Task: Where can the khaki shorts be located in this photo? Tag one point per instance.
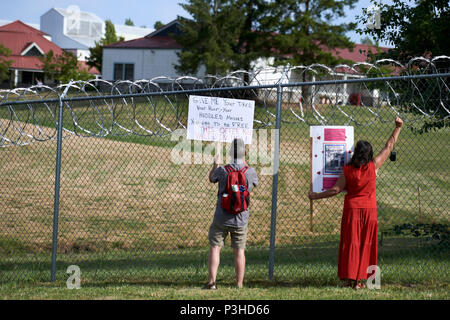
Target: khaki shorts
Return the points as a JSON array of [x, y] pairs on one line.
[[218, 234]]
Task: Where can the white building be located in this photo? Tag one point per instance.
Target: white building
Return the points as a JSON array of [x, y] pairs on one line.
[[76, 31], [145, 58]]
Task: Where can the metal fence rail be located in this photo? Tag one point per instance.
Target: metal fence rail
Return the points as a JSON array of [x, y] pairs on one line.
[[123, 207]]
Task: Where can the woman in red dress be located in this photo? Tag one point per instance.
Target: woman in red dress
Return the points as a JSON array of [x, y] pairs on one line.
[[359, 232]]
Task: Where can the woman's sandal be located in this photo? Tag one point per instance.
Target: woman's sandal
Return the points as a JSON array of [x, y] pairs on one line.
[[349, 283], [359, 285]]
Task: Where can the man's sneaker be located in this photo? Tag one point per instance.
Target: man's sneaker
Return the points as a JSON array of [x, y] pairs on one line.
[[210, 286]]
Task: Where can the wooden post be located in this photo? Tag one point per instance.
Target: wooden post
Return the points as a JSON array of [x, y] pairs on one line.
[[311, 208]]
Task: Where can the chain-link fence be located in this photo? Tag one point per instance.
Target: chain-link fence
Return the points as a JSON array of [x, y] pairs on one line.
[[126, 209]]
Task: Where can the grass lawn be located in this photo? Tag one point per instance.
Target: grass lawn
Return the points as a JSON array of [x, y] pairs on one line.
[[180, 274], [136, 222], [252, 291]]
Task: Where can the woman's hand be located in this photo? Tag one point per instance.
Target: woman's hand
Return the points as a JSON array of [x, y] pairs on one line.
[[398, 122], [312, 195], [216, 161]]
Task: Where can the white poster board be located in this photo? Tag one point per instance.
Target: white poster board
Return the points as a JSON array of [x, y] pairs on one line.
[[332, 147], [220, 119]]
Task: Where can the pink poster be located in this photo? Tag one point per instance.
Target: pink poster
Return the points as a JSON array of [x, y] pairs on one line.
[[332, 148], [334, 134]]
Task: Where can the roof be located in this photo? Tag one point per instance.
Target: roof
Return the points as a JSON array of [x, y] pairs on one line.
[[19, 26], [85, 41], [158, 39], [75, 10], [171, 27], [34, 25], [19, 37], [84, 66], [131, 32], [359, 53], [155, 42]]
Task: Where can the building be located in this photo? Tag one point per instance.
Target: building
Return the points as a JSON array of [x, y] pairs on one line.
[[27, 46], [324, 94], [77, 31], [144, 58]]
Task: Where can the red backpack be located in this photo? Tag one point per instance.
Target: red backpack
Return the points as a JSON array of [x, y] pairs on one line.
[[236, 197]]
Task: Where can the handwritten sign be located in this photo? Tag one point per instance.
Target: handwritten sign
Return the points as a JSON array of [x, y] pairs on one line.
[[220, 119], [332, 148]]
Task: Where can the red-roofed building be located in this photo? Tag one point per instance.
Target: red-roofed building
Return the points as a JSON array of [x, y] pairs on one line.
[[27, 46]]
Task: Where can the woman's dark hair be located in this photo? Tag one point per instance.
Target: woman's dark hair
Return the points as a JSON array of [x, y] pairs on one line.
[[362, 155]]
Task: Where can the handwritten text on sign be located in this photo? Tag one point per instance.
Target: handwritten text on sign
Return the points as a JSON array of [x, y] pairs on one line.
[[220, 119]]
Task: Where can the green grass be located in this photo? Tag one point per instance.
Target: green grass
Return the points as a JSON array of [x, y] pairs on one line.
[[255, 291], [180, 274], [136, 223]]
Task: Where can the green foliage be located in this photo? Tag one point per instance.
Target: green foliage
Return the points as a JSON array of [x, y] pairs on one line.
[[129, 22], [110, 33], [4, 62], [208, 39], [64, 67], [423, 96], [158, 24], [428, 231], [96, 53], [417, 29], [304, 28], [233, 34]]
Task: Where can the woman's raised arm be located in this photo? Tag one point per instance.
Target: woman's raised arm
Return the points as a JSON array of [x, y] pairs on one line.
[[384, 153]]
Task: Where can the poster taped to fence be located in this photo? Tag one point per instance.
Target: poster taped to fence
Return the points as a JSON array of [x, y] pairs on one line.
[[220, 119], [332, 148]]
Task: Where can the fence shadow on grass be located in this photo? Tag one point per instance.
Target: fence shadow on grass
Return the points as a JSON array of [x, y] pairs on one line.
[[314, 266]]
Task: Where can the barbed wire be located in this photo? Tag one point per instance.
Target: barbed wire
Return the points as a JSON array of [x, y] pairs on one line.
[[130, 112]]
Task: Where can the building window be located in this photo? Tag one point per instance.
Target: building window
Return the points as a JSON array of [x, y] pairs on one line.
[[33, 52], [123, 71]]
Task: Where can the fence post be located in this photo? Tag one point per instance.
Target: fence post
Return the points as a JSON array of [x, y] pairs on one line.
[[276, 163], [57, 187]]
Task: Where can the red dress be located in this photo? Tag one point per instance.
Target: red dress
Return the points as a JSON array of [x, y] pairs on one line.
[[359, 230]]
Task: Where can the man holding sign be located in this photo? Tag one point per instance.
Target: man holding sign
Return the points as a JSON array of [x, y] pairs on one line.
[[228, 218], [226, 120]]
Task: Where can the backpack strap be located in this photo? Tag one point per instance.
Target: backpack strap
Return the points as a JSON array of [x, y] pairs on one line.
[[228, 168], [244, 169]]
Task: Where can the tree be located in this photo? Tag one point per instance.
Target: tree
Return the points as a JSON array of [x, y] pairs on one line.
[[367, 40], [158, 24], [5, 64], [64, 67], [232, 34], [416, 29], [96, 53], [110, 33], [129, 22], [304, 28], [208, 39]]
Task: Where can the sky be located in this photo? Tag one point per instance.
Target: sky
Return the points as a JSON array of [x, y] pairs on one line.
[[141, 12]]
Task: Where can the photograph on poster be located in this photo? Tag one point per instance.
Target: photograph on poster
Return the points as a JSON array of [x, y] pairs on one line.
[[334, 158]]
